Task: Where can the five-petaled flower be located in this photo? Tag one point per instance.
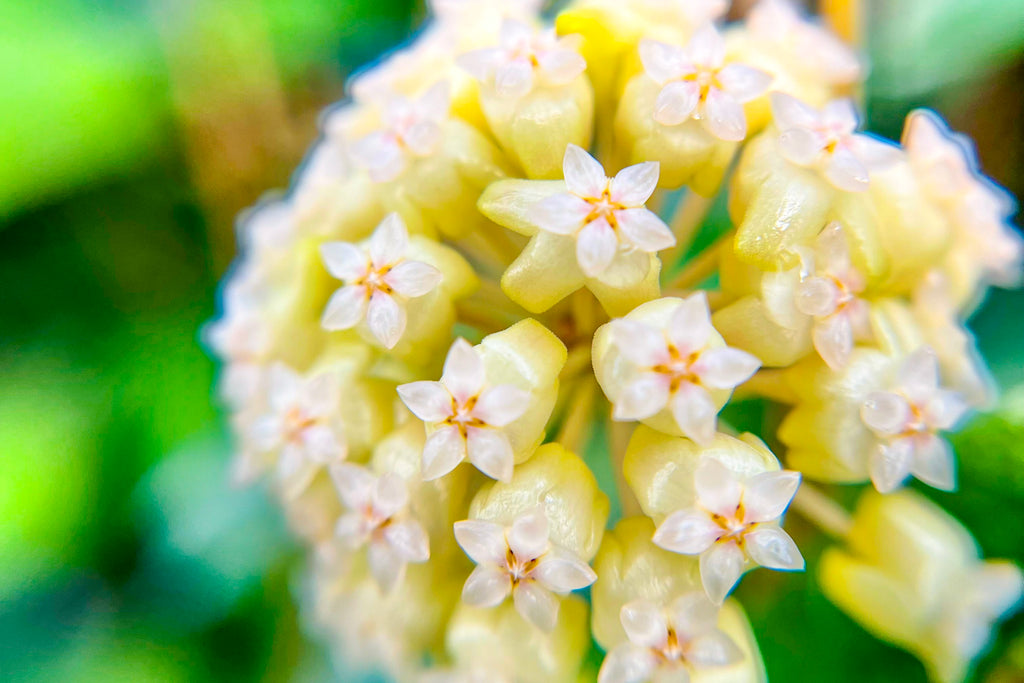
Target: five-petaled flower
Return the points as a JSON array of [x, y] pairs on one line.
[[524, 59], [698, 84], [521, 560], [378, 281], [826, 140], [467, 416], [604, 214], [733, 521], [378, 518], [675, 368], [411, 128], [302, 426], [907, 420], [666, 644]]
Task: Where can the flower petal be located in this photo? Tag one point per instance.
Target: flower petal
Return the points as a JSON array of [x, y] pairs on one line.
[[716, 487], [343, 260], [690, 325], [429, 401], [799, 146], [627, 663], [919, 375], [354, 484], [689, 532], [817, 296], [694, 615], [386, 319], [885, 412], [790, 113], [596, 246], [484, 542], [390, 495], [676, 103], [413, 278], [536, 605], [933, 462], [444, 450], [561, 214], [772, 547], [644, 623], [845, 171], [561, 66], [486, 586], [713, 649], [767, 495], [345, 308], [944, 409], [562, 572], [463, 373], [634, 185], [501, 405], [744, 82], [707, 48], [644, 230], [491, 452], [641, 344], [725, 368], [663, 62], [528, 537], [642, 397], [695, 413], [584, 175], [723, 116], [889, 464], [513, 79], [409, 540], [833, 339], [386, 565], [720, 568], [388, 242]]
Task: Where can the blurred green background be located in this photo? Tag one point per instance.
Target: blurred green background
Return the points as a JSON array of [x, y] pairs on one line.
[[131, 133]]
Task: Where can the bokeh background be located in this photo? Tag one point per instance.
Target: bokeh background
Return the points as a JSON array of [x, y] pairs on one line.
[[131, 133]]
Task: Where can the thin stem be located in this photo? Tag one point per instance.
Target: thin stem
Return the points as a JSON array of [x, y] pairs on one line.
[[816, 507], [488, 308], [619, 435], [685, 224], [579, 414], [767, 383]]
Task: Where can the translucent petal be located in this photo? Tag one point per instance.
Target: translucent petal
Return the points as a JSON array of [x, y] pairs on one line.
[[847, 172], [429, 401], [480, 64], [997, 587], [690, 325], [498, 406], [644, 230], [536, 605], [343, 260], [767, 495], [350, 529], [486, 587], [790, 113], [513, 78], [388, 242], [422, 138], [444, 450], [944, 409], [676, 103], [644, 623], [817, 296], [284, 387], [889, 464], [933, 462], [561, 214], [413, 278], [642, 344], [800, 146], [354, 484], [706, 47], [490, 451], [584, 175], [885, 412], [723, 116], [627, 663], [386, 319], [484, 542], [463, 373], [873, 152], [435, 102], [266, 432], [695, 412], [841, 114], [642, 397], [713, 649], [744, 82], [320, 394], [772, 547], [596, 246], [694, 615], [390, 495], [664, 62], [381, 155], [528, 537], [717, 488], [386, 565], [346, 308], [409, 540], [833, 339], [725, 368], [689, 532], [561, 66], [720, 568], [919, 375], [322, 445], [562, 572], [634, 185]]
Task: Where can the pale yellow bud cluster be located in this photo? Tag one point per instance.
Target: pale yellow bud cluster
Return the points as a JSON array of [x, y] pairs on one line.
[[482, 268]]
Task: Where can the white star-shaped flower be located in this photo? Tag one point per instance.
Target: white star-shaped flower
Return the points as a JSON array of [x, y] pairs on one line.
[[467, 416], [241, 339], [733, 522], [302, 427], [948, 168], [698, 84], [378, 281], [812, 48], [667, 644], [605, 215], [411, 128], [378, 518], [524, 59], [674, 367], [827, 292], [520, 560], [907, 420], [826, 140]]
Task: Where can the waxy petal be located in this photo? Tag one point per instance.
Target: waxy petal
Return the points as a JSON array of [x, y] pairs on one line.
[[723, 116], [676, 103], [800, 146], [490, 451], [634, 185], [486, 587], [664, 62], [933, 462], [409, 540], [707, 47], [944, 409], [644, 623], [847, 172], [690, 325], [562, 572], [694, 615], [528, 536], [919, 375], [390, 495], [513, 79], [833, 339], [713, 649], [767, 495], [386, 565], [354, 484], [725, 368], [386, 319], [536, 605], [561, 66], [720, 568], [484, 542], [642, 344], [344, 261], [644, 230], [790, 113], [346, 308], [890, 463], [642, 397], [429, 401], [501, 405], [444, 450], [561, 214], [413, 278], [596, 247], [695, 412], [744, 82], [463, 372], [885, 412], [717, 488], [689, 532], [388, 242], [627, 663], [584, 175], [772, 547]]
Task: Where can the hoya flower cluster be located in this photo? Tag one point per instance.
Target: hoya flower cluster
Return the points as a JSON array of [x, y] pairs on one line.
[[475, 328]]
